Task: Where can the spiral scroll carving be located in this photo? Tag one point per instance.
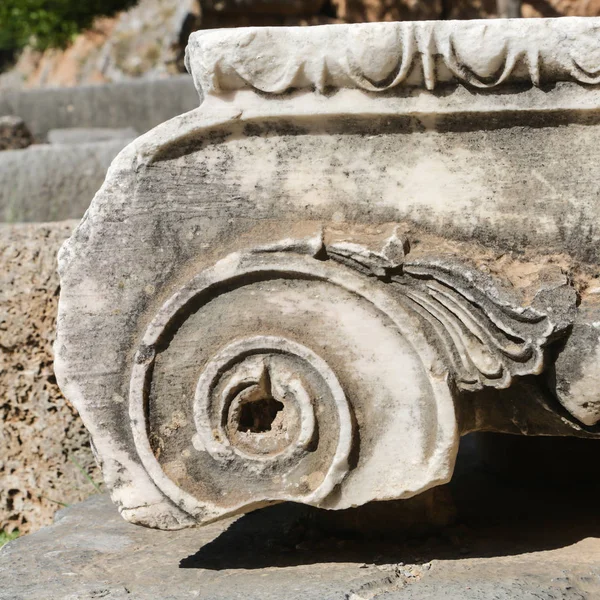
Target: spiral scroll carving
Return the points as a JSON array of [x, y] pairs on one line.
[[319, 374], [276, 376], [256, 401]]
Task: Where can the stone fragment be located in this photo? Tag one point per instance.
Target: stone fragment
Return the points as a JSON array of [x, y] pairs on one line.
[[52, 183], [367, 241], [576, 374], [87, 135], [14, 133]]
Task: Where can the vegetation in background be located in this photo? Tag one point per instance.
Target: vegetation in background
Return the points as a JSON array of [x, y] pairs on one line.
[[7, 537], [49, 23], [96, 486]]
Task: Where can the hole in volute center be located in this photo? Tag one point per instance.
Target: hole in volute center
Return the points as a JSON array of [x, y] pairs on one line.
[[257, 416]]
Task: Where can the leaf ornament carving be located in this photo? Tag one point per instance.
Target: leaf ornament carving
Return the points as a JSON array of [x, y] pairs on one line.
[[487, 336], [488, 341]]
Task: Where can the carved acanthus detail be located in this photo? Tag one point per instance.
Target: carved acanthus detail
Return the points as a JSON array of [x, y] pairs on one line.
[[487, 336], [487, 341]]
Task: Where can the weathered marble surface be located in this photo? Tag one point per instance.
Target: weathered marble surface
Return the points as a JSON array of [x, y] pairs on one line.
[[380, 56], [307, 288]]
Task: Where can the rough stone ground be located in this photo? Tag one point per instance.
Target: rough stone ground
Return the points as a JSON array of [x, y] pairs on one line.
[[514, 537], [42, 439]]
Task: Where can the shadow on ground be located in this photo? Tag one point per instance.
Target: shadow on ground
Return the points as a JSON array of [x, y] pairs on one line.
[[509, 496]]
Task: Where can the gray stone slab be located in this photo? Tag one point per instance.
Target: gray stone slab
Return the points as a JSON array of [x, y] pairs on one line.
[[139, 104], [511, 538], [86, 135], [52, 183]]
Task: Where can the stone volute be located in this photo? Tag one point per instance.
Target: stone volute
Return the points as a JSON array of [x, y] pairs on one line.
[[366, 241]]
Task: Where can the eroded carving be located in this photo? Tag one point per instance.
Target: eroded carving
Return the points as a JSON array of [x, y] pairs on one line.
[[282, 360], [489, 341], [288, 357], [487, 336]]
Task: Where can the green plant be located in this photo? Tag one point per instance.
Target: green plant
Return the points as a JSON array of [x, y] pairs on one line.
[[50, 23], [96, 486], [6, 537], [86, 475]]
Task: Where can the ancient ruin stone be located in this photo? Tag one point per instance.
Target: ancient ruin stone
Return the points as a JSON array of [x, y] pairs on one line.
[[118, 105], [87, 135], [14, 133], [50, 182], [367, 241]]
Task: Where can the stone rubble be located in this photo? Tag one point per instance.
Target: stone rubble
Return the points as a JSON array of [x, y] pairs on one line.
[[14, 133]]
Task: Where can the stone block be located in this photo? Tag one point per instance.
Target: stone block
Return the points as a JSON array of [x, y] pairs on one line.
[[53, 183], [367, 241], [141, 104], [82, 135]]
